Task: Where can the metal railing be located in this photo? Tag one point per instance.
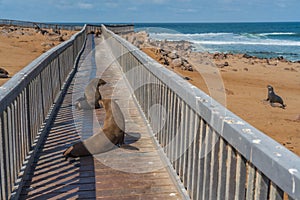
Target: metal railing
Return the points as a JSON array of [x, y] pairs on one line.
[[27, 102], [26, 24], [120, 28], [216, 154]]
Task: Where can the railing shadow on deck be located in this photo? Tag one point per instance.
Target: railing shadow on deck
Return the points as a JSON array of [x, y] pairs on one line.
[[74, 178], [28, 102]]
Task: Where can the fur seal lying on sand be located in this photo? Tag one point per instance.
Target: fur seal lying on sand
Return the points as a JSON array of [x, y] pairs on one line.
[[110, 137], [3, 73], [274, 98], [91, 95]]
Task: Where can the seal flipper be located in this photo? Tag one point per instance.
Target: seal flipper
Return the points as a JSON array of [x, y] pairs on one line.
[[76, 150]]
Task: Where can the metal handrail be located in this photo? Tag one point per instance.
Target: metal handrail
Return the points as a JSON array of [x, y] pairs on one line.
[[216, 154], [26, 102]]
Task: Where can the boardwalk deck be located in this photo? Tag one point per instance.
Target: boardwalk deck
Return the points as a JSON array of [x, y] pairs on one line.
[[132, 173]]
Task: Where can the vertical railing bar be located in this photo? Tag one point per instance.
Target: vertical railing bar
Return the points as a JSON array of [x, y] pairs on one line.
[[201, 157], [22, 105], [196, 151], [3, 168], [173, 155], [167, 122], [186, 140], [275, 192], [164, 120], [168, 131], [14, 142], [178, 134], [28, 120], [222, 170], [213, 185], [170, 127], [11, 146], [261, 186], [6, 152], [191, 142], [182, 139], [17, 121], [240, 178], [250, 181], [207, 162], [230, 177]]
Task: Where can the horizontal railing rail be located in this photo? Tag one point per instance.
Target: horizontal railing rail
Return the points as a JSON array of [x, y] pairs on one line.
[[120, 28], [26, 24], [216, 154], [27, 102]]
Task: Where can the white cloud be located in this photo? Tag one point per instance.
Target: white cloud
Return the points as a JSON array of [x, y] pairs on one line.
[[132, 8], [150, 1], [85, 5], [183, 10], [159, 1], [281, 3]]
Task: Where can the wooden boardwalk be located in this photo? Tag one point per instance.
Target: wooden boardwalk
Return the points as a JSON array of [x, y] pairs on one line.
[[132, 173]]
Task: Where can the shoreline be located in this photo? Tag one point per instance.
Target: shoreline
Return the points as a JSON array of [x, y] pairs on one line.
[[245, 80]]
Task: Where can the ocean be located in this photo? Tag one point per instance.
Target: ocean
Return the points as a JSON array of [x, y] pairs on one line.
[[264, 40]]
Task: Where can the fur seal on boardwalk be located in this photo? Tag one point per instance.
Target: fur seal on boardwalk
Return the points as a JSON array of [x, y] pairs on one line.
[[91, 95], [274, 98], [110, 137]]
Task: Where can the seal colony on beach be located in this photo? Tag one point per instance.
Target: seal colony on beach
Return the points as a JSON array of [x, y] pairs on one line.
[[108, 138]]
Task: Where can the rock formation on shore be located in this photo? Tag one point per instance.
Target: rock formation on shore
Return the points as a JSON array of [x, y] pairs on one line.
[[169, 53]]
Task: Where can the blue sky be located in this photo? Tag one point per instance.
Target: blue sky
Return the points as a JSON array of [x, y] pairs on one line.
[[134, 11]]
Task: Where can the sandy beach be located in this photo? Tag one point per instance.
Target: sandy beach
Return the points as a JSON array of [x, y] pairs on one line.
[[245, 79], [19, 46]]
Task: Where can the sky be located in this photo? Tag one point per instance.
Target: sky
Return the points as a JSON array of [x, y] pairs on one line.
[[135, 11]]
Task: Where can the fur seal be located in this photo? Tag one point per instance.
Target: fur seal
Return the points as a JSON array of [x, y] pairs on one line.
[[3, 76], [274, 98], [3, 73], [91, 95], [110, 137]]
